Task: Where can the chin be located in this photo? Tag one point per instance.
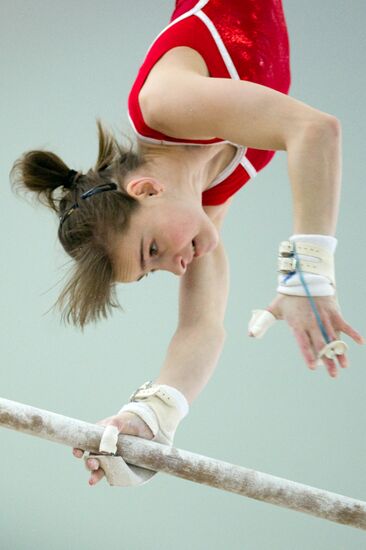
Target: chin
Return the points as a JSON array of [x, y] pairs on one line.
[[206, 242], [215, 244]]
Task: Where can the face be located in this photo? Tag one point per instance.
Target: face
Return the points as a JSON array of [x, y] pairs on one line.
[[160, 238]]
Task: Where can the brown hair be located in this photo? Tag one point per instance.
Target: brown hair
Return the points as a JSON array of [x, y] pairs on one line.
[[87, 234]]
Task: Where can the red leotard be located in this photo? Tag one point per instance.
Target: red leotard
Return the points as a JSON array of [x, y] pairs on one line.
[[239, 39]]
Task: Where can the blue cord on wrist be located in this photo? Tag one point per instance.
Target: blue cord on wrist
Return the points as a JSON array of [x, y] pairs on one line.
[[310, 298]]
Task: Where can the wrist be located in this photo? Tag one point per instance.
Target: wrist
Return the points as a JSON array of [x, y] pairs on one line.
[[161, 407], [316, 256]]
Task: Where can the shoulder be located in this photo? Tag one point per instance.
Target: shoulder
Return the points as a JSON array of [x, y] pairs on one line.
[[178, 58], [161, 78]]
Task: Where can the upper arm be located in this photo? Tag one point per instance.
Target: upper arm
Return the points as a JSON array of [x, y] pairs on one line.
[[184, 104]]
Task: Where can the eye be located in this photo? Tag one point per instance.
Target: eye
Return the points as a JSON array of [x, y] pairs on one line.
[[153, 249]]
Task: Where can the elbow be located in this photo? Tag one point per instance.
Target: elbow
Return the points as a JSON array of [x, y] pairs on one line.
[[323, 131], [323, 128], [335, 126], [327, 126]]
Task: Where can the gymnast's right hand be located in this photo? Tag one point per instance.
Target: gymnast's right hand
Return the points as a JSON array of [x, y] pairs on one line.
[[153, 412], [127, 423]]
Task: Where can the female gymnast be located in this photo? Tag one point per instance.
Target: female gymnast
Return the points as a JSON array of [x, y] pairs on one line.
[[209, 107]]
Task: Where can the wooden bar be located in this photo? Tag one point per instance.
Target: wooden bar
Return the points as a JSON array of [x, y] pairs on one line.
[[194, 467]]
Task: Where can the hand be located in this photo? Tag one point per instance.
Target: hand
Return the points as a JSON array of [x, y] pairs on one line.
[[127, 423], [296, 310]]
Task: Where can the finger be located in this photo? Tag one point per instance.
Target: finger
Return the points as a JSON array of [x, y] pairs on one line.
[[105, 421], [335, 335], [96, 476], [260, 322], [275, 307], [108, 442], [304, 342], [347, 329], [92, 464], [318, 345], [78, 453], [342, 361]]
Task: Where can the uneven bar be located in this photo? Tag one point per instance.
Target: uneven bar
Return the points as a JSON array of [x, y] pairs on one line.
[[190, 466]]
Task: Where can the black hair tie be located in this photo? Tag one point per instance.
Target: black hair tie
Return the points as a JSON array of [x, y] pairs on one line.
[[99, 189], [71, 179], [86, 195]]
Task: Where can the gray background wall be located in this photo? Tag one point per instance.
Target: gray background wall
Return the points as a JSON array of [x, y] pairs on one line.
[[62, 65]]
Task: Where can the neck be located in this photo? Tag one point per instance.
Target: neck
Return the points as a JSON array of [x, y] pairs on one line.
[[180, 168]]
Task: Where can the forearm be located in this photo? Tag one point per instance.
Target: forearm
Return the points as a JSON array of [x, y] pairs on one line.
[[192, 356], [314, 168], [204, 290], [195, 348]]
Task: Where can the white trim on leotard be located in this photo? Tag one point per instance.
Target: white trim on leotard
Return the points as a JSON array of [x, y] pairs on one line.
[[248, 166], [239, 157], [201, 4], [165, 142], [220, 44], [230, 167]]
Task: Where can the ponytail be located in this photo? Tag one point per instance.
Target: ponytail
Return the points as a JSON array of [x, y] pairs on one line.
[[41, 172], [88, 231]]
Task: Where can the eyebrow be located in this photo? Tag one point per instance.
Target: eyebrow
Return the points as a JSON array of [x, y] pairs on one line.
[[142, 262]]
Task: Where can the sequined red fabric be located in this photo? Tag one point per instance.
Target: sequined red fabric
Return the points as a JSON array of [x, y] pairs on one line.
[[255, 36]]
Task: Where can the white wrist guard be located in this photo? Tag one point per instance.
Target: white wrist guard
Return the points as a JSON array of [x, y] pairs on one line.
[[161, 407], [316, 254]]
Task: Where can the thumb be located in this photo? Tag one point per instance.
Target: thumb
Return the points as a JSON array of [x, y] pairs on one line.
[[261, 321], [108, 442], [113, 427], [276, 306]]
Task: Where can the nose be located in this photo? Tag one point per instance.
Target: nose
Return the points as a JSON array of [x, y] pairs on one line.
[[176, 263]]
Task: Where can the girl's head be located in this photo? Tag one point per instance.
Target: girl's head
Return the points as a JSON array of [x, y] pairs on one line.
[[168, 229], [115, 233]]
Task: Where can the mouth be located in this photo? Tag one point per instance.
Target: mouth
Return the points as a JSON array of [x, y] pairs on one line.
[[196, 249]]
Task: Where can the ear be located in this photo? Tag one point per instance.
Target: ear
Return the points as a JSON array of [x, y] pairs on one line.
[[140, 188]]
